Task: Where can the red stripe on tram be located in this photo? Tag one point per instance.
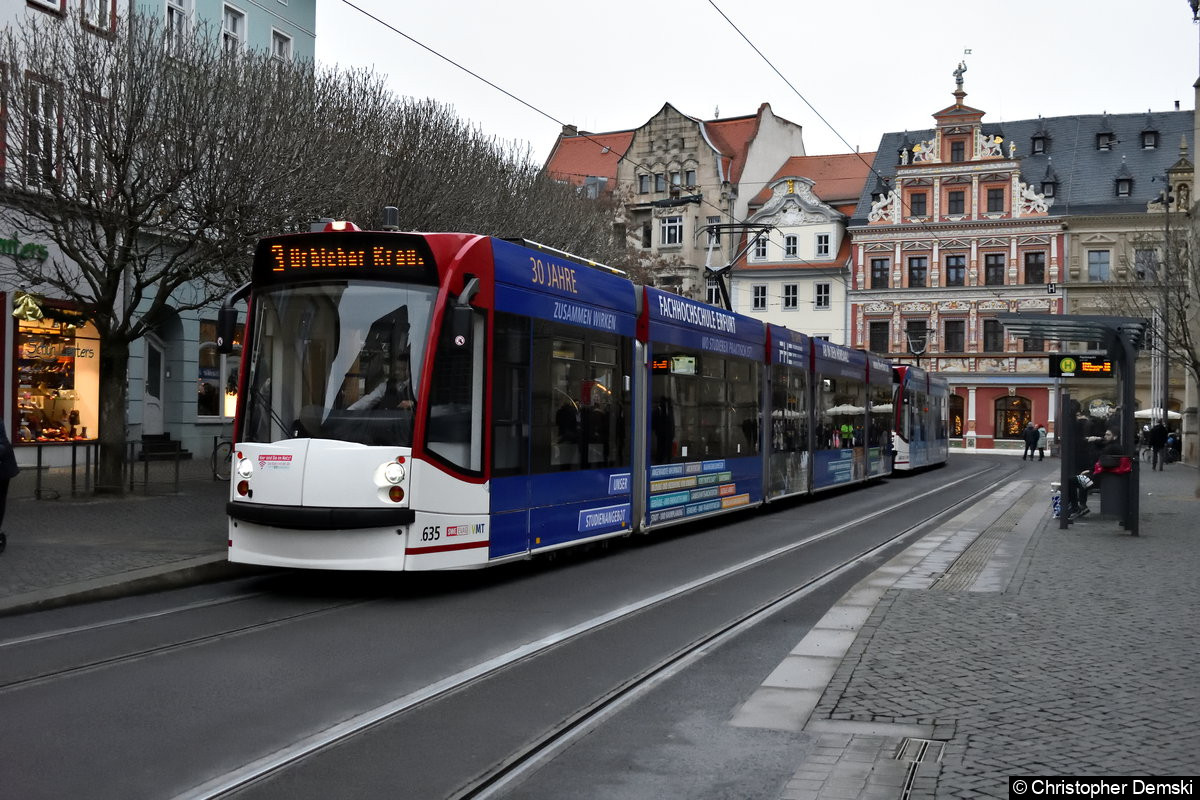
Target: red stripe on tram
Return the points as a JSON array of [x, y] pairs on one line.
[[443, 548]]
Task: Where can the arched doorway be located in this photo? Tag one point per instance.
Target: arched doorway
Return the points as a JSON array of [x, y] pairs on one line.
[[1012, 415]]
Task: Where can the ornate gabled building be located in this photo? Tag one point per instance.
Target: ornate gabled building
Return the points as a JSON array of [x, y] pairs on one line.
[[796, 272], [675, 175], [971, 219]]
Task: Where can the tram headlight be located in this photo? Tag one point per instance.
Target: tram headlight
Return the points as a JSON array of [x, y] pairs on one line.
[[393, 473], [245, 468]]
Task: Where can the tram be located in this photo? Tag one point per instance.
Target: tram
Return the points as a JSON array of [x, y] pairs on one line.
[[921, 428], [424, 401]]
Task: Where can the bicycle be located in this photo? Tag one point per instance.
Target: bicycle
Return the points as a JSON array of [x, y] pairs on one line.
[[222, 460]]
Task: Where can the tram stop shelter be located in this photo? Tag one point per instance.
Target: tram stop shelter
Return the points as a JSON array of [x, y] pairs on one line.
[[1121, 338]]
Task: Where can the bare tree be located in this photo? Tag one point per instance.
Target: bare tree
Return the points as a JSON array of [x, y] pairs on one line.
[[151, 163]]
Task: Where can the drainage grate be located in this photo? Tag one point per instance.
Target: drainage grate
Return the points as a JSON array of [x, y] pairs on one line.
[[917, 752]]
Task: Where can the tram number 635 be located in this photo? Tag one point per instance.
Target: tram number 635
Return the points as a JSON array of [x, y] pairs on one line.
[[431, 533]]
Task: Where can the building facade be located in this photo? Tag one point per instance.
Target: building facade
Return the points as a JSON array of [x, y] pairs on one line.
[[178, 383], [796, 267], [969, 219], [674, 177]]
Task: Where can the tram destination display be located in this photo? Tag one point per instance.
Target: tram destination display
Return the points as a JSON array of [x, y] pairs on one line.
[[1081, 366]]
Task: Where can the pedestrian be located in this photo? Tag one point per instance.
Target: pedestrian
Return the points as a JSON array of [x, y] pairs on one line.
[[8, 471], [1030, 435], [1158, 440], [1041, 442]]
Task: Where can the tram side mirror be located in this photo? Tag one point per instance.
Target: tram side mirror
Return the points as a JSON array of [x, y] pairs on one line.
[[461, 321], [226, 329]]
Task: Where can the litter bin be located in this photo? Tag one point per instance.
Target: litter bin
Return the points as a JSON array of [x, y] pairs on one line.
[[1115, 474]]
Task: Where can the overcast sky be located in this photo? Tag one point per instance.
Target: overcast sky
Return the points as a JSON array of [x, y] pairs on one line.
[[866, 66]]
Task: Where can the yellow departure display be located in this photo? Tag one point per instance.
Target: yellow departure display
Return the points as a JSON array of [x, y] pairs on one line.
[[287, 257]]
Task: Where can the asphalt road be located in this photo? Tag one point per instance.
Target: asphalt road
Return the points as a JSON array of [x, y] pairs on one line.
[[176, 693]]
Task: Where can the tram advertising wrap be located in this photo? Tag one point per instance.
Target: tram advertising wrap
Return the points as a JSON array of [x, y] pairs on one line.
[[451, 401]]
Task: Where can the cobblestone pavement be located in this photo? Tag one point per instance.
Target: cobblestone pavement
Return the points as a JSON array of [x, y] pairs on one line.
[[92, 547], [1081, 662]]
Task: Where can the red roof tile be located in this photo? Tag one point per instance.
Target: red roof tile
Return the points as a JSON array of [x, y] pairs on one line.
[[732, 138], [838, 177], [574, 158]]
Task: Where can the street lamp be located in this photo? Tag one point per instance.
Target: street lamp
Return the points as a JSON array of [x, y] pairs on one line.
[[918, 341]]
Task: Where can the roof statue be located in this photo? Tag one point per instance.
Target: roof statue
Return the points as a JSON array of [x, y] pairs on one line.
[[958, 73]]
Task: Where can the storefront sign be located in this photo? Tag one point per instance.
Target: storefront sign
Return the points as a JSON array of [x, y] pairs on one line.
[[17, 249]]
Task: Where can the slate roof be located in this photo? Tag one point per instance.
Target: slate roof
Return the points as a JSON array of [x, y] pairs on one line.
[[1086, 176]]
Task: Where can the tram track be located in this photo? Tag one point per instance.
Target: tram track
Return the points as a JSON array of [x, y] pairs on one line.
[[147, 652], [535, 752]]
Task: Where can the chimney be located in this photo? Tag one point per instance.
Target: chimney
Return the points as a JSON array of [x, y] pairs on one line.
[[1176, 105], [573, 130]]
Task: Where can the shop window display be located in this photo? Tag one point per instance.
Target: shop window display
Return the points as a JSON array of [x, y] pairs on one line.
[[58, 382]]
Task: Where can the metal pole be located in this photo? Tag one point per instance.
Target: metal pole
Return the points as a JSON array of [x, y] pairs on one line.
[[1066, 448]]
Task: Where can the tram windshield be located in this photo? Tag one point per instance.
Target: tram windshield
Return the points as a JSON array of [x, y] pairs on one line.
[[336, 361]]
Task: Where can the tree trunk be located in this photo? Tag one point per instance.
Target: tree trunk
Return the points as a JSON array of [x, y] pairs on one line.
[[114, 374]]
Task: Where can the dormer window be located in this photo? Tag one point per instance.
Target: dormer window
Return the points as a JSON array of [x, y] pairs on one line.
[[1124, 187], [1039, 145], [958, 151], [1149, 140], [1048, 188], [1105, 141]]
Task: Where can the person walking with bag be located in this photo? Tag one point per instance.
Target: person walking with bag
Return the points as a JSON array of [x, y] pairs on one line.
[[1041, 442], [8, 471]]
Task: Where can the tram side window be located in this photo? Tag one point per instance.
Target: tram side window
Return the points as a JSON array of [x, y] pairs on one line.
[[579, 401], [454, 429], [789, 409], [743, 414], [510, 396], [703, 406], [841, 404]]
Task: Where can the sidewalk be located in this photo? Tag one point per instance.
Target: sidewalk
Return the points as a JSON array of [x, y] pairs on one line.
[[1003, 646], [71, 550]]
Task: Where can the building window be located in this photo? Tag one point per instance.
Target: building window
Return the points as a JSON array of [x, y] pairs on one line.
[[1149, 140], [791, 296], [593, 185], [689, 178], [1035, 344], [1012, 415], [880, 269], [647, 232], [878, 337], [1035, 267], [995, 201], [43, 141], [916, 336], [93, 167], [958, 151], [179, 23], [956, 202], [1039, 145], [954, 336], [1124, 187], [54, 6], [643, 184], [957, 415], [712, 293], [824, 295], [1098, 265], [99, 14], [58, 369], [823, 245], [956, 270], [218, 374], [760, 247], [660, 182], [670, 231], [233, 30], [916, 204], [675, 179], [1105, 141], [1145, 264], [993, 269], [1049, 188], [789, 246], [714, 233], [918, 271], [759, 302], [993, 336]]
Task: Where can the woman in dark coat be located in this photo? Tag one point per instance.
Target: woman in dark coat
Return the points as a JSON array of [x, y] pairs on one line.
[[8, 471]]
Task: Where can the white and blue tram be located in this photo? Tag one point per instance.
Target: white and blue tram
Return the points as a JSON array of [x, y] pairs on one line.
[[444, 401], [921, 429]]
